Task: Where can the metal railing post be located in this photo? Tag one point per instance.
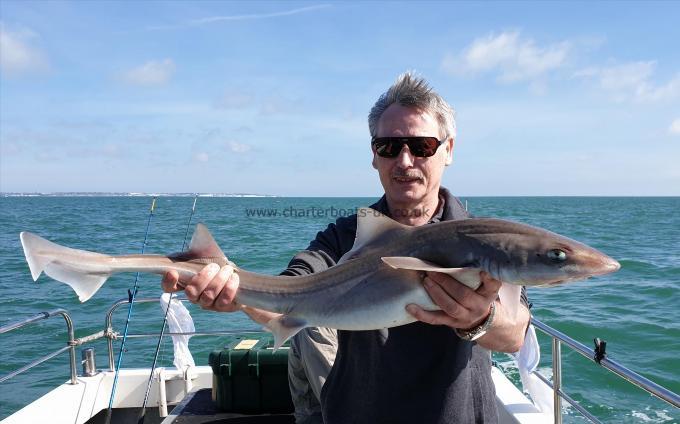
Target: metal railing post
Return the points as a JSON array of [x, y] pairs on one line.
[[557, 379], [108, 330], [109, 343], [72, 344]]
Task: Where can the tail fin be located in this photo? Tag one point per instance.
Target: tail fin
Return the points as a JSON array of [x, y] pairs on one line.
[[44, 256]]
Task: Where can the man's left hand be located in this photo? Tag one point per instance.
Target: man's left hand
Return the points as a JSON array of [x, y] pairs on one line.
[[461, 307]]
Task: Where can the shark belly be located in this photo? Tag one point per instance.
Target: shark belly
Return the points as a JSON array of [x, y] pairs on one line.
[[374, 301]]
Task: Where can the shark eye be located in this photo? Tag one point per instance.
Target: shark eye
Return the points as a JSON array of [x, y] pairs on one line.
[[557, 255]]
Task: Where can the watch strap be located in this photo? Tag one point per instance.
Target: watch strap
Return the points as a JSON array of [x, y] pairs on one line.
[[478, 331]]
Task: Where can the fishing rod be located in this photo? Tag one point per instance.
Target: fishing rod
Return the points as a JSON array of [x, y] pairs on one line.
[[131, 296], [142, 412]]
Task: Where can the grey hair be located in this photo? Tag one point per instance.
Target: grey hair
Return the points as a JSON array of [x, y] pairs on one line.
[[413, 91]]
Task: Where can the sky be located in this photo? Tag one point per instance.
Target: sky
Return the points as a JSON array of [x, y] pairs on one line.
[[551, 98]]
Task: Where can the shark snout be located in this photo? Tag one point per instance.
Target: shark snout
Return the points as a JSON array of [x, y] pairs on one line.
[[607, 265], [612, 265]]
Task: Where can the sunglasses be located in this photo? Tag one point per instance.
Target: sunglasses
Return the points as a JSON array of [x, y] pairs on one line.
[[422, 147]]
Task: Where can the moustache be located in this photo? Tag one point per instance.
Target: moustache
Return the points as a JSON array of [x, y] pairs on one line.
[[407, 174]]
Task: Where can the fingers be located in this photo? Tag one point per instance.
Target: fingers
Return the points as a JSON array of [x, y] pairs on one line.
[[456, 292], [214, 288], [200, 281], [170, 282], [441, 295], [225, 300], [489, 287], [461, 307], [430, 317]]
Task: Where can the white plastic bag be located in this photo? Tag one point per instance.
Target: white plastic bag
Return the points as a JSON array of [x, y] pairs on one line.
[[179, 321], [527, 361]]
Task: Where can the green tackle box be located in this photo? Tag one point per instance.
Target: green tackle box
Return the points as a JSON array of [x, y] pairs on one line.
[[249, 377]]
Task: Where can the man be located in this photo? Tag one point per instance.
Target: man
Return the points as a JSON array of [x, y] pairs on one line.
[[428, 371]]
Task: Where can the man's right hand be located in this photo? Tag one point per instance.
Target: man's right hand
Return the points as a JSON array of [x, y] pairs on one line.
[[213, 288]]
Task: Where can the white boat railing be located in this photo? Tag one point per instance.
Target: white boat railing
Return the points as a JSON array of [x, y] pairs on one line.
[[112, 335], [71, 343], [597, 355]]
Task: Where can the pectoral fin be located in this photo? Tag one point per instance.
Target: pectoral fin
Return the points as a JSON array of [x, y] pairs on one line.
[[283, 328], [467, 276]]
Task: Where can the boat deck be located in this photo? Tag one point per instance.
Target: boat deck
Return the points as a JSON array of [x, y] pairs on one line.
[[85, 398], [198, 408]]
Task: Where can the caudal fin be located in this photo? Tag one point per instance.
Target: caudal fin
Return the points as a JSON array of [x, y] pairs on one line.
[[36, 263], [58, 262]]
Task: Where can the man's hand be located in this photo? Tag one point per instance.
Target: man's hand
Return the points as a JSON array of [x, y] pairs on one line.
[[464, 308], [213, 288], [461, 307]]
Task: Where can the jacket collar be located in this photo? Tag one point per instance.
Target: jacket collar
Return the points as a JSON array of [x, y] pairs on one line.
[[449, 208]]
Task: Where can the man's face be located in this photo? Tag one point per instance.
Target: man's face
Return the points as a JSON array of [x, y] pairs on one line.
[[408, 180]]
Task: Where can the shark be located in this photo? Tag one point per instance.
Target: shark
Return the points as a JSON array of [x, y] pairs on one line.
[[370, 285]]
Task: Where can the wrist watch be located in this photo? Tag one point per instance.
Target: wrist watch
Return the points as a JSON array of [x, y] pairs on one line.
[[477, 332]]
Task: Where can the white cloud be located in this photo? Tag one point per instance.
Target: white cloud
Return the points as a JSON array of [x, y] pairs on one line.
[[632, 81], [201, 157], [151, 73], [235, 100], [276, 105], [111, 150], [238, 147], [254, 16], [670, 90], [674, 129], [7, 148], [513, 57], [17, 55]]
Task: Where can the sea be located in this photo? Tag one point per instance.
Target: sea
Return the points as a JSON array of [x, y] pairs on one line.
[[636, 310]]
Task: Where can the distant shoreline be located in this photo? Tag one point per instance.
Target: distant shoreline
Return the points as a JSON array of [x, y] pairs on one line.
[[123, 194], [253, 195]]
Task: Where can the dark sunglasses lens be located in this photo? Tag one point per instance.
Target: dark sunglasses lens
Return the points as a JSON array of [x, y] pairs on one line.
[[423, 146], [390, 147]]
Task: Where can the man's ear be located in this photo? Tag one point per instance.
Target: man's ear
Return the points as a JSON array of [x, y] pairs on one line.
[[374, 162], [449, 150]]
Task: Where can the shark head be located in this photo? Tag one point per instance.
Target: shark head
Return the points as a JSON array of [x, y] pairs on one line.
[[531, 256], [557, 259]]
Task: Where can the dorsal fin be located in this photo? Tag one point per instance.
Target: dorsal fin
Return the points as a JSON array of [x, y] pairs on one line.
[[203, 245], [371, 225]]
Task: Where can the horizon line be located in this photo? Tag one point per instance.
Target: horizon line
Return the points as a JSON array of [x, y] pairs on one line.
[[220, 194]]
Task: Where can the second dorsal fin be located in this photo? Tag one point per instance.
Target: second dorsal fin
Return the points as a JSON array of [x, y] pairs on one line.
[[203, 244]]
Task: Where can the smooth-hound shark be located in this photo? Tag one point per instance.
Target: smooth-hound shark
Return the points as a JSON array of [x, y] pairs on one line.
[[371, 284]]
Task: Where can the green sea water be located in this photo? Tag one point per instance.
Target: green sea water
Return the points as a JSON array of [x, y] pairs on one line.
[[635, 310]]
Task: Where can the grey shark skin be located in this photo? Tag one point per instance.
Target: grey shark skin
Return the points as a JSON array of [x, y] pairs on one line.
[[370, 286]]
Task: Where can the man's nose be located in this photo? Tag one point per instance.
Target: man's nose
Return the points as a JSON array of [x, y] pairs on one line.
[[405, 158]]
